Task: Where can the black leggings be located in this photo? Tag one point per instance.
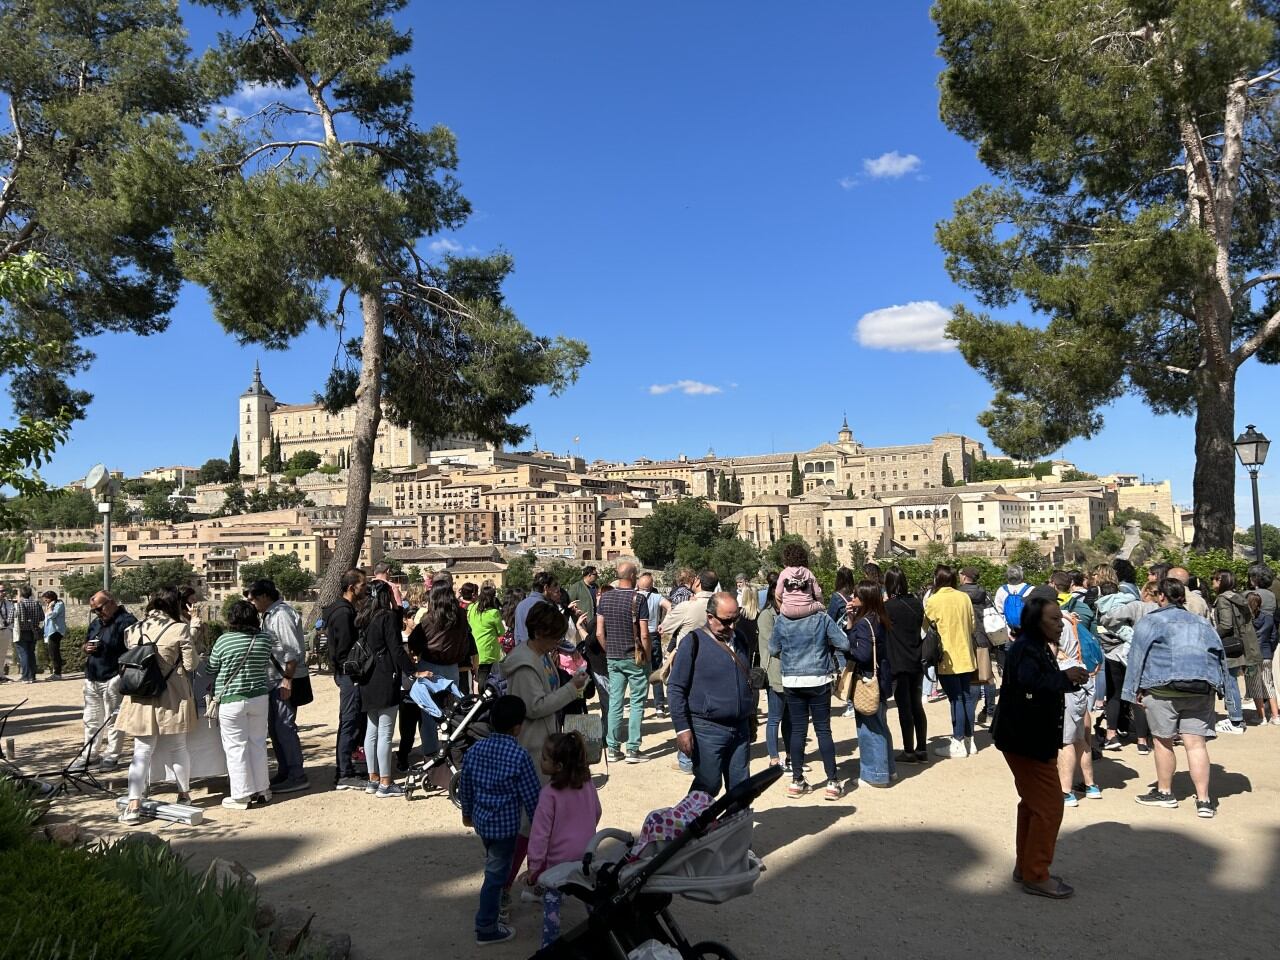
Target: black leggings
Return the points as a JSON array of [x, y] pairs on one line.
[[410, 715], [54, 643], [1117, 710], [907, 694]]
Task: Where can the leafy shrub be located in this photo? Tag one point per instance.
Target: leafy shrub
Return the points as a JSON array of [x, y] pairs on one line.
[[18, 813], [72, 651], [58, 904], [189, 918]]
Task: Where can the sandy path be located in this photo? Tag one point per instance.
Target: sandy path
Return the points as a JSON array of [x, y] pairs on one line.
[[919, 870]]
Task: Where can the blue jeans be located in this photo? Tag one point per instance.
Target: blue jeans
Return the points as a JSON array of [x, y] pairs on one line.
[[719, 754], [282, 727], [351, 723], [1235, 706], [625, 675], [377, 741], [803, 703], [959, 690], [27, 658], [497, 864], [779, 717], [428, 727], [875, 748]]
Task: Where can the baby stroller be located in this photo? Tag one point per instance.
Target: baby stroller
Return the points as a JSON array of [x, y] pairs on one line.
[[628, 902], [463, 721]]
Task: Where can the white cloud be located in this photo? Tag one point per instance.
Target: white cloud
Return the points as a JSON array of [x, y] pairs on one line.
[[891, 165], [848, 183], [690, 388], [919, 326], [444, 245]]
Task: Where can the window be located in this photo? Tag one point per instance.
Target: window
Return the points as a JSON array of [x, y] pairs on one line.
[[848, 521]]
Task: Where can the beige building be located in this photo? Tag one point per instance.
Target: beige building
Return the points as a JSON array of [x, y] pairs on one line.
[[178, 476], [457, 527], [617, 527], [311, 549], [925, 517], [996, 516]]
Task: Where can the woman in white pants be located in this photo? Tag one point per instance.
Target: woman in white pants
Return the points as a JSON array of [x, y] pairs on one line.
[[159, 725], [238, 663]]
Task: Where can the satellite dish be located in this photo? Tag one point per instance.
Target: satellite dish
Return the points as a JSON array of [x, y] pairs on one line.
[[97, 479]]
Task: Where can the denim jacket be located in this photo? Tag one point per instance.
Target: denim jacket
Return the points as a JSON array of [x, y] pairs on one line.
[[55, 620], [805, 645], [1172, 644]]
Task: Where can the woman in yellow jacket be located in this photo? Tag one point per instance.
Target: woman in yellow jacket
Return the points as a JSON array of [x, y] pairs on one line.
[[951, 614]]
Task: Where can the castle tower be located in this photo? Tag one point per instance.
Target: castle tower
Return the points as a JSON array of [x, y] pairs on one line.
[[254, 417], [845, 435]]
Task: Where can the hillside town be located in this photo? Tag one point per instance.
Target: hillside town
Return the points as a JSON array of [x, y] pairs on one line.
[[471, 507]]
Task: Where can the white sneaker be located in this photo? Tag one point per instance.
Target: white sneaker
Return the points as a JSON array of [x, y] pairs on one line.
[[953, 749], [971, 746], [236, 803], [1275, 721], [1226, 726]]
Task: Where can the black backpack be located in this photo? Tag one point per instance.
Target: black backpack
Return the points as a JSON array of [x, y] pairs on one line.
[[142, 669]]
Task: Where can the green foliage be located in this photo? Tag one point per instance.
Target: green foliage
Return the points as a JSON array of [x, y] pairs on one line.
[[130, 584], [157, 505], [188, 917], [948, 478], [1073, 476], [58, 509], [216, 471], [1202, 564], [274, 497], [519, 574], [735, 489], [1135, 150], [73, 655], [234, 502], [273, 461], [1033, 562], [773, 555], [1149, 522], [565, 573], [304, 460], [1270, 540], [13, 549], [685, 524], [98, 92], [18, 814], [59, 903], [329, 469], [797, 481], [233, 460], [284, 569], [988, 471], [1108, 540], [136, 486], [728, 557]]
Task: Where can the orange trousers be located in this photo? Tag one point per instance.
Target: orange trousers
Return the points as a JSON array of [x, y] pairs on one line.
[[1039, 814]]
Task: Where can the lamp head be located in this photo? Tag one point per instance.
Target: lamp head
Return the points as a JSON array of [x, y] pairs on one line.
[[1251, 447]]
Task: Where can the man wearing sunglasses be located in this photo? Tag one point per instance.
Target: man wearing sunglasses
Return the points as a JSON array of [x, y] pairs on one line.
[[103, 646], [712, 701]]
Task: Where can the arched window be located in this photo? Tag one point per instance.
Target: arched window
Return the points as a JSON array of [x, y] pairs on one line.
[[944, 513], [902, 514]]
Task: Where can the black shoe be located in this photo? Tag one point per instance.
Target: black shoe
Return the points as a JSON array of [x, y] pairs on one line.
[[982, 717], [907, 757], [922, 756], [402, 763], [1157, 799]]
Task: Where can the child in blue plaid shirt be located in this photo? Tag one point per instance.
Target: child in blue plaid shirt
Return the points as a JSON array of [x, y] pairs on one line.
[[498, 781]]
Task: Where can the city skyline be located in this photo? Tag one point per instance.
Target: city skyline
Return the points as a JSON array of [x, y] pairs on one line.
[[767, 243]]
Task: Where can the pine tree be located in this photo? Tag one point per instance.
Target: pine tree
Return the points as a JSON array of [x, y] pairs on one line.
[[849, 493], [735, 489], [797, 481], [233, 461], [296, 228], [948, 478], [722, 488]]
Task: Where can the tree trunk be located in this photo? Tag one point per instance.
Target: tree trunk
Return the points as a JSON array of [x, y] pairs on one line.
[[346, 553], [1213, 485]]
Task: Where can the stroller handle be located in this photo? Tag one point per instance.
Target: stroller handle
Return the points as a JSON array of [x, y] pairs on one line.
[[608, 833]]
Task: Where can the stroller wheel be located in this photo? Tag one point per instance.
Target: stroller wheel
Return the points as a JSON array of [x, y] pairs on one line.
[[453, 789], [710, 950]]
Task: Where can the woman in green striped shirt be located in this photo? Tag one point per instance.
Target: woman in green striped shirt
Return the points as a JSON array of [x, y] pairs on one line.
[[238, 664]]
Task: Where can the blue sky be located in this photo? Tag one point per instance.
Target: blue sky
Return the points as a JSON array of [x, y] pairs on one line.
[[712, 196]]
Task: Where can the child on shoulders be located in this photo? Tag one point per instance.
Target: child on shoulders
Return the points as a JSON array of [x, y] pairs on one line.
[[797, 591]]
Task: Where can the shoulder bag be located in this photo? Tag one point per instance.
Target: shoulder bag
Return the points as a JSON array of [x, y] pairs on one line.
[[300, 693], [215, 698], [142, 668], [866, 691]]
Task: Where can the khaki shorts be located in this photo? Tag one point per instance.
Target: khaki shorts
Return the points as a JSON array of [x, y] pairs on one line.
[[1073, 725], [1170, 716]]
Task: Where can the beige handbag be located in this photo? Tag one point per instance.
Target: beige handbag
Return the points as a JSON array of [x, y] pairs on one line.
[[866, 691], [847, 681]]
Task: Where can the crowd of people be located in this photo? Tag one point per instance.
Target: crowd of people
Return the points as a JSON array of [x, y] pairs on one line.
[[1065, 673]]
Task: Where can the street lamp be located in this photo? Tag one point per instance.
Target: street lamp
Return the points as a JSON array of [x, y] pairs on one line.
[[1251, 448], [103, 488]]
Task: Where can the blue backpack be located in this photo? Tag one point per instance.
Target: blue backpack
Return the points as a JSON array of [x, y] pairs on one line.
[[1013, 603], [1090, 648]]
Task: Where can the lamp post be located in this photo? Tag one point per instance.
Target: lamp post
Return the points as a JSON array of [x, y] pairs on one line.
[[103, 488], [1251, 448]]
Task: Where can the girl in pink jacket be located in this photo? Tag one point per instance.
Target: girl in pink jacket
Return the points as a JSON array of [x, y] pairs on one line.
[[566, 820]]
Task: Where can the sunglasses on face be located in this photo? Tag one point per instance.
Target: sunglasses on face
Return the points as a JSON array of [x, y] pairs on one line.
[[727, 621]]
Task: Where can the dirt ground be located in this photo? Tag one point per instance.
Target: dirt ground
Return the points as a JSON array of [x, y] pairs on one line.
[[919, 870]]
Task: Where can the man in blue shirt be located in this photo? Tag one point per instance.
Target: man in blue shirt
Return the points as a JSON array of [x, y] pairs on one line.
[[498, 781], [541, 583]]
